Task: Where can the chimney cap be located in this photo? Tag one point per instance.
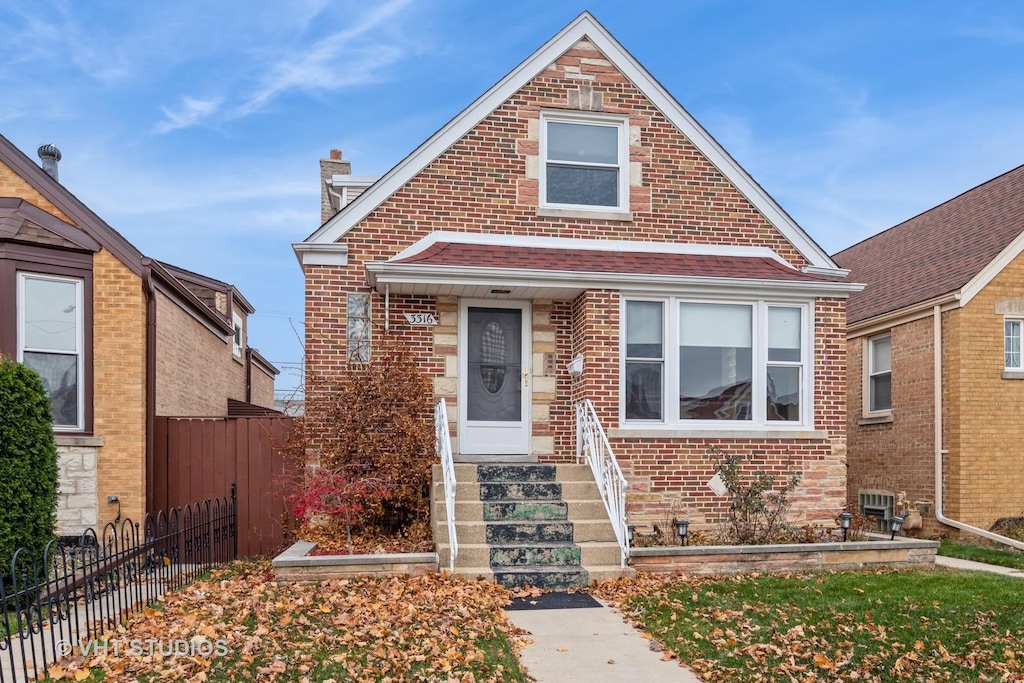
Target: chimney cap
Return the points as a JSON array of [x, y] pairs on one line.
[[49, 151], [335, 154]]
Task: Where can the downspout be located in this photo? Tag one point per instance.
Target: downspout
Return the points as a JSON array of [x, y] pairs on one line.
[[940, 451], [248, 374], [150, 292], [387, 307]]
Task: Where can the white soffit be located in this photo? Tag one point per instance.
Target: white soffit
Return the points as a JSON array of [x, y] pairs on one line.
[[584, 26]]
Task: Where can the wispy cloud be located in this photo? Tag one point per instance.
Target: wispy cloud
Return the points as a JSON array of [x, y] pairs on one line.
[[337, 61], [190, 111]]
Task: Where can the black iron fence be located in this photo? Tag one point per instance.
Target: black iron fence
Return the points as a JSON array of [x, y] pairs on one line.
[[63, 602]]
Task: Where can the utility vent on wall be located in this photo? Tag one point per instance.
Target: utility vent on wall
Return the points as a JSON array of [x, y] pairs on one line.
[[879, 506]]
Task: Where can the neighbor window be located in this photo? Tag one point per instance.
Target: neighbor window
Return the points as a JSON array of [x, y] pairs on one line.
[[50, 342], [1011, 345], [359, 328], [880, 374], [735, 362], [584, 162], [237, 344]]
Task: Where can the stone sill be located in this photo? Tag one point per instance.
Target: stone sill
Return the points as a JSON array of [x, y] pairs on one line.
[[549, 212], [1013, 374], [78, 441], [732, 559], [296, 564], [875, 420], [669, 433]]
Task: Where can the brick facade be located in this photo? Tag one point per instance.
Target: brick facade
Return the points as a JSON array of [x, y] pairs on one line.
[[196, 372], [984, 477], [486, 182]]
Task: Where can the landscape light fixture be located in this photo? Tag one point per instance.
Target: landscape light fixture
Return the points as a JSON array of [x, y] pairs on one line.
[[896, 523], [631, 529], [844, 523], [682, 529]]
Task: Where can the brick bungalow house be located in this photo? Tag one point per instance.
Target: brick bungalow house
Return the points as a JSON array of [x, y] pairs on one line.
[[117, 338], [934, 346], [575, 234]]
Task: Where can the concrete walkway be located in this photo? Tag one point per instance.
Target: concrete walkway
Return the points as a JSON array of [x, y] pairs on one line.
[[591, 644], [957, 563]]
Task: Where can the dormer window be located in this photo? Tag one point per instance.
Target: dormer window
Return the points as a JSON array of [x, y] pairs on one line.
[[584, 162]]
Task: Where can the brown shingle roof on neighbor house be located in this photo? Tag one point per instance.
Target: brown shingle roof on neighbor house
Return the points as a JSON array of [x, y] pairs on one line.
[[456, 254], [936, 252]]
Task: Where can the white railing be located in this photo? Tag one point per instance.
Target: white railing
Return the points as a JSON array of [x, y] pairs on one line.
[[592, 445], [444, 451]]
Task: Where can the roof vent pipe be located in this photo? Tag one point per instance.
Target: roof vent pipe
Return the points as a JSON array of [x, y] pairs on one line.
[[49, 155]]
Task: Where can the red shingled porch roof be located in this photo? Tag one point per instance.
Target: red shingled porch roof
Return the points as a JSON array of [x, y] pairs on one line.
[[458, 254]]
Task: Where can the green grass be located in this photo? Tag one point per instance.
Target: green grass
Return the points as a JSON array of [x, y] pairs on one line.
[[886, 626], [997, 556]]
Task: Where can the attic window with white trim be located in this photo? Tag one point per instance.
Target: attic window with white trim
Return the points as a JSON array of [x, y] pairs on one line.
[[584, 162], [236, 342]]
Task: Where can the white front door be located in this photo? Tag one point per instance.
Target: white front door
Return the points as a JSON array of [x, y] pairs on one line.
[[494, 377]]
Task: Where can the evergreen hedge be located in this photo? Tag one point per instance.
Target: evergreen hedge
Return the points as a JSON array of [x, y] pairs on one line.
[[28, 463]]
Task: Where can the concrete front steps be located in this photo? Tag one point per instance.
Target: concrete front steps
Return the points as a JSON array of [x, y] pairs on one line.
[[541, 525]]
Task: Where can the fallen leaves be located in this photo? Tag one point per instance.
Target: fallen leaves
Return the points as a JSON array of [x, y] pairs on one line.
[[429, 628]]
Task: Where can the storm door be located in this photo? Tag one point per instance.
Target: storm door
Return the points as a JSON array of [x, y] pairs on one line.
[[494, 378]]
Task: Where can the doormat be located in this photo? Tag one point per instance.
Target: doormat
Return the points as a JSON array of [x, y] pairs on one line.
[[553, 601]]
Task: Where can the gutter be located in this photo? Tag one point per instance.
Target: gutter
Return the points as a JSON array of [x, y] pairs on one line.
[[150, 291], [940, 451]]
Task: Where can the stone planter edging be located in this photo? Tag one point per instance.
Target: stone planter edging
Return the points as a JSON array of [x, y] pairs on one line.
[[732, 559], [296, 564]]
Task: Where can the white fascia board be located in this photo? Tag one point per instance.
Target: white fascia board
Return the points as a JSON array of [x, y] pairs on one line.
[[582, 244], [353, 180], [992, 269], [584, 26], [384, 273], [826, 272], [316, 254]]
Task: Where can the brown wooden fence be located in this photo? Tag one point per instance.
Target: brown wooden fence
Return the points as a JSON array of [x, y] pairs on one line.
[[195, 459]]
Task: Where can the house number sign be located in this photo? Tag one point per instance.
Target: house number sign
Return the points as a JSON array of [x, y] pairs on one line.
[[421, 318]]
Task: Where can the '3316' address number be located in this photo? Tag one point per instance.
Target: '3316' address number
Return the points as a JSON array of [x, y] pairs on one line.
[[421, 318]]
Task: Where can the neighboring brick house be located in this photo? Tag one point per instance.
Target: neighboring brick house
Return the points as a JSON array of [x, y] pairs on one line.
[[935, 360], [575, 211], [117, 338]]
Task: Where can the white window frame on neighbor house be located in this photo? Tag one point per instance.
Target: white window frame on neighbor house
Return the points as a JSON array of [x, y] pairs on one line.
[[237, 341], [619, 124], [759, 334], [871, 372], [1013, 354], [79, 345]]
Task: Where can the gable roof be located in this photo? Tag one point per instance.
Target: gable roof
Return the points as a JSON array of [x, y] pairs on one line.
[[585, 26], [72, 207], [955, 247]]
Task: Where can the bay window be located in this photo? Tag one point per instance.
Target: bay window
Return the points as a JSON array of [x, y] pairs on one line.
[[50, 341], [734, 364]]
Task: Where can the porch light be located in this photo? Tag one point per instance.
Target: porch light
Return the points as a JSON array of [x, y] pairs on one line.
[[844, 523], [682, 529], [631, 530], [896, 523]]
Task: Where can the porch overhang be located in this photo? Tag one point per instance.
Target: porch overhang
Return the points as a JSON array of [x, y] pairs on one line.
[[500, 266]]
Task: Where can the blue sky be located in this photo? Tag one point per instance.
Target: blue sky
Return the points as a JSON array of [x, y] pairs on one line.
[[195, 128]]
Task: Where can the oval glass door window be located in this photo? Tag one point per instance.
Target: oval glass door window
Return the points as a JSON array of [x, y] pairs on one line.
[[493, 352]]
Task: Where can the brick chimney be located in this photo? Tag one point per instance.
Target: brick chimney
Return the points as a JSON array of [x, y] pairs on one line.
[[49, 156], [332, 166]]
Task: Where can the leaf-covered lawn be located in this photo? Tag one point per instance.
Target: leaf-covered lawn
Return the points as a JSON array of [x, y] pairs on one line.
[[850, 626], [428, 628]]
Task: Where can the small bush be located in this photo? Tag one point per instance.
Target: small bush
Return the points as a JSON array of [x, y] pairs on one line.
[[28, 463], [758, 504], [367, 443]]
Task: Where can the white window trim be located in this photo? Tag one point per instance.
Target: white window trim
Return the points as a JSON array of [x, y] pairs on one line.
[[79, 337], [237, 344], [1020, 329], [620, 122], [670, 421], [866, 392]]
